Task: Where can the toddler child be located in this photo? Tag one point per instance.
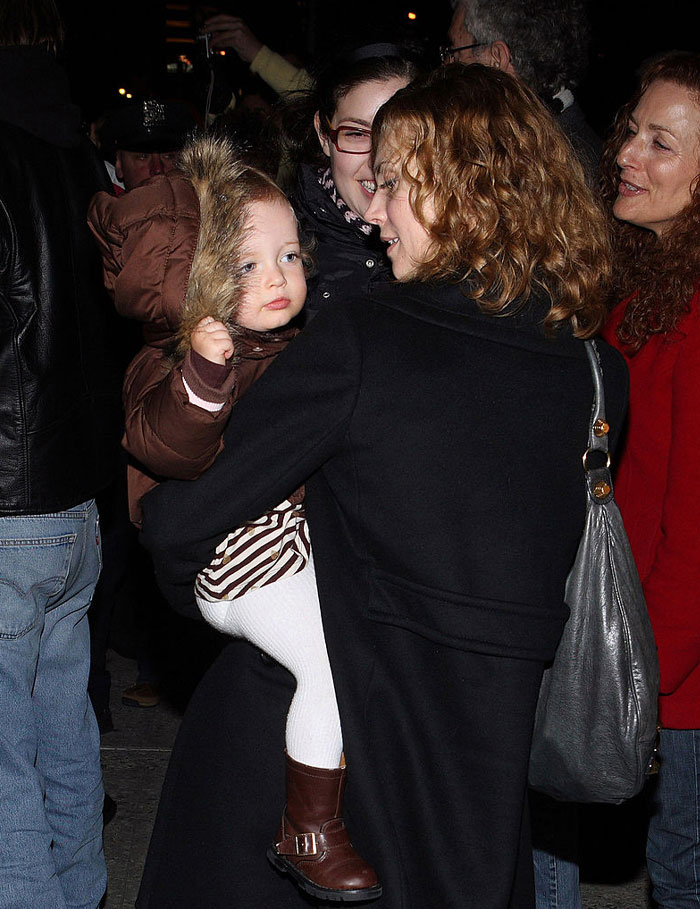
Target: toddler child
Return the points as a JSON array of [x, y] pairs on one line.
[[208, 258]]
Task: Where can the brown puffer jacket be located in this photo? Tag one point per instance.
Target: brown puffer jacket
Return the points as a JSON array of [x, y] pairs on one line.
[[169, 252]]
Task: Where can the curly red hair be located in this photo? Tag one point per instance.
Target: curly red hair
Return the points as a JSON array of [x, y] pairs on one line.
[[660, 273], [513, 213]]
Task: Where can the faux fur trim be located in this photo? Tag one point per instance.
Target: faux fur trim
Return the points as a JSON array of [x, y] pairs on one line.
[[212, 165]]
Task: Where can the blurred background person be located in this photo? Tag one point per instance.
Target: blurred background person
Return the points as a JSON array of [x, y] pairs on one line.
[[59, 443], [651, 170], [143, 138], [545, 43], [283, 75], [138, 141]]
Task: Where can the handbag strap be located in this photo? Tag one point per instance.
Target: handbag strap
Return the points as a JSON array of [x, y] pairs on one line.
[[598, 478]]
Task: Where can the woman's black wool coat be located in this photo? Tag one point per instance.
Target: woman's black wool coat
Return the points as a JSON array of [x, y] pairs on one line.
[[441, 448]]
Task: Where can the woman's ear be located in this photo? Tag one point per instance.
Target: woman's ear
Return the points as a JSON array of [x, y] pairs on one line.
[[322, 137]]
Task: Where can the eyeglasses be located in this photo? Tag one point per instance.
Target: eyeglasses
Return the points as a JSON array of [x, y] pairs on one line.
[[448, 54], [350, 140]]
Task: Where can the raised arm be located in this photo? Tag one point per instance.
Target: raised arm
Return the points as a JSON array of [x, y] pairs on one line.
[[164, 430], [231, 32]]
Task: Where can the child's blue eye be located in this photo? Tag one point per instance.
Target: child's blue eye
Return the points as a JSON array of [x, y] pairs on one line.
[[247, 268], [290, 257]]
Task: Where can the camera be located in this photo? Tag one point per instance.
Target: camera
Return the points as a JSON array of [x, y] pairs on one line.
[[204, 44]]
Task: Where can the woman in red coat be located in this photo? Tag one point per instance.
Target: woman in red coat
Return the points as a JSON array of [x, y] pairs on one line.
[[652, 173]]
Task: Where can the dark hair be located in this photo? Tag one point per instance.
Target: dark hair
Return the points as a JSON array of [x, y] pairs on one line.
[[31, 22], [661, 271], [548, 39], [511, 210], [294, 117]]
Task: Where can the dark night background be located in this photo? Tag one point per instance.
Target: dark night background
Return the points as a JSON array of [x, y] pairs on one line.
[[129, 47]]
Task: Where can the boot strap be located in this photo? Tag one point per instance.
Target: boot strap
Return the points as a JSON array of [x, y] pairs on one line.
[[311, 844]]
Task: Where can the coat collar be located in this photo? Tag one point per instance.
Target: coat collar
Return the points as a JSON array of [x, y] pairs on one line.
[[452, 307], [317, 210], [258, 345]]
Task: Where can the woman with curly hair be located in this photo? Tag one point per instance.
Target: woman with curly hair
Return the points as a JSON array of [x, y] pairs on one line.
[[438, 423], [652, 180]]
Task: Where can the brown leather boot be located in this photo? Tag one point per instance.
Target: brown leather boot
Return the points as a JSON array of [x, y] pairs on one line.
[[312, 843]]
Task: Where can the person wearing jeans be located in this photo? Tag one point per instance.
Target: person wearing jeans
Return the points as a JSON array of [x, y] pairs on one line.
[[555, 852], [60, 425], [651, 186], [51, 845], [673, 854]]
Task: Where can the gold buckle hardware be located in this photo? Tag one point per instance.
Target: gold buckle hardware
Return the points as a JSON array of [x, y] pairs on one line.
[[585, 458], [306, 844], [600, 428], [601, 490]]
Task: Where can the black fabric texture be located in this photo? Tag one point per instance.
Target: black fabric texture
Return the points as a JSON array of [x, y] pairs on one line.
[[441, 449], [342, 250]]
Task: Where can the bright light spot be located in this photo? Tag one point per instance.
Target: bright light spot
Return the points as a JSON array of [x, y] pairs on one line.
[[222, 53], [412, 16], [129, 95], [122, 91]]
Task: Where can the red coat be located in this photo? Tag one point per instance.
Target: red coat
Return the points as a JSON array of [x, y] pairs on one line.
[[658, 490]]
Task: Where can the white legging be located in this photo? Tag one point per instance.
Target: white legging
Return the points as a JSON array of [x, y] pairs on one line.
[[284, 620]]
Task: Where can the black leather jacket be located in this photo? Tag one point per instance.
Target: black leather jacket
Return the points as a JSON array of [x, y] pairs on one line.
[[60, 418]]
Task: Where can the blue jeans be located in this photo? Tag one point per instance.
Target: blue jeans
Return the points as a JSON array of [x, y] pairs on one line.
[[673, 841], [555, 853], [51, 793]]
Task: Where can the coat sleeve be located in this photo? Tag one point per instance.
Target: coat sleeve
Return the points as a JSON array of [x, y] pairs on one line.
[[672, 587], [163, 430], [294, 418], [147, 239]]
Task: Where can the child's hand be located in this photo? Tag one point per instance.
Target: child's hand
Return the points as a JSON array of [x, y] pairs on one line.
[[211, 340]]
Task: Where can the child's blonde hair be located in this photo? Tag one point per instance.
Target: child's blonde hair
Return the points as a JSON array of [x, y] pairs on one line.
[[226, 187]]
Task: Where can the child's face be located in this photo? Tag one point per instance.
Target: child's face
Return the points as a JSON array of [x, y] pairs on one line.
[[274, 287]]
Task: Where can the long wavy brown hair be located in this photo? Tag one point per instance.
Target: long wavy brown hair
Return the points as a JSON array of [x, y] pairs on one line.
[[513, 213], [662, 272]]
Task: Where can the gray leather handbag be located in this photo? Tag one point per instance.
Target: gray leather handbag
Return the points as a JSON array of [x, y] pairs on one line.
[[595, 727]]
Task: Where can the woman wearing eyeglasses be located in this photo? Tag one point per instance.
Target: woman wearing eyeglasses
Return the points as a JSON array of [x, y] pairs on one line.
[[328, 137]]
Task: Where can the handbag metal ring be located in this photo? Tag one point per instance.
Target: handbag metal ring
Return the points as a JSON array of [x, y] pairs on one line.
[[585, 457]]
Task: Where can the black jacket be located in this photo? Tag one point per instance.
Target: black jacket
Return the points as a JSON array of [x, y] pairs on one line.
[[347, 261], [59, 385], [445, 499], [585, 141]]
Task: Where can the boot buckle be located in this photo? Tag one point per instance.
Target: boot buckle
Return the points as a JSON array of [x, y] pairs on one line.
[[306, 844]]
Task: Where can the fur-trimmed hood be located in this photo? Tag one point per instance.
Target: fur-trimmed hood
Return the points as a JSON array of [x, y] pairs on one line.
[[170, 247]]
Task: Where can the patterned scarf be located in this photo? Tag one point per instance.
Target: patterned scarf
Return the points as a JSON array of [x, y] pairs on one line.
[[326, 181]]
